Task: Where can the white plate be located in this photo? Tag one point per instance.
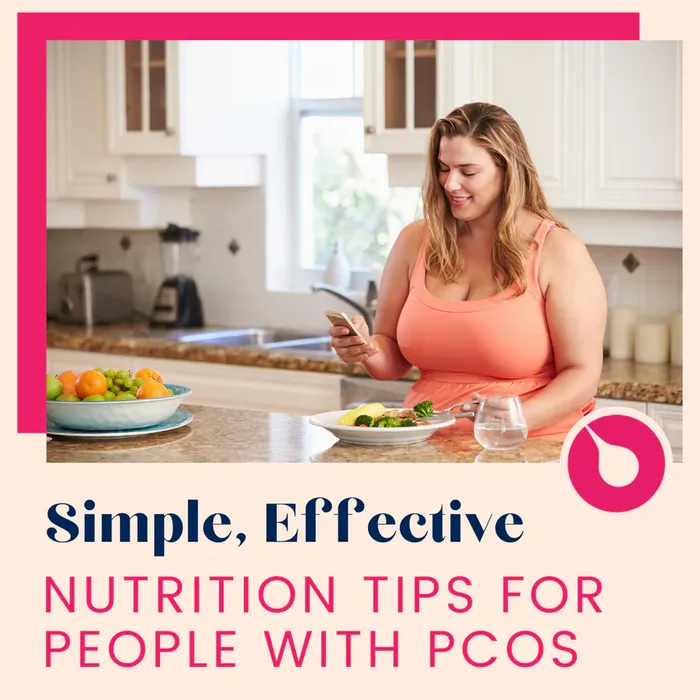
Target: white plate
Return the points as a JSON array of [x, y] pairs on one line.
[[376, 436], [179, 419]]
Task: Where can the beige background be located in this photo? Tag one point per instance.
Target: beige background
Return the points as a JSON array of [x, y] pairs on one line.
[[644, 645]]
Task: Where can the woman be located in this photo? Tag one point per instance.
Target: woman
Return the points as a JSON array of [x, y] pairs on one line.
[[489, 294]]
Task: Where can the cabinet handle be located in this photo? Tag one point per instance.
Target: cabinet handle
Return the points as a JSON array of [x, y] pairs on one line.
[[111, 177], [369, 130], [170, 131]]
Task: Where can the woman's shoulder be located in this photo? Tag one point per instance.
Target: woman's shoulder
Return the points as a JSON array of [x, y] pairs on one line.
[[563, 253], [408, 243], [410, 239], [414, 231], [562, 243]]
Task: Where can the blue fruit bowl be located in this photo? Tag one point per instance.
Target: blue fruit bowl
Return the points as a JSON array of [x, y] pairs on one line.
[[115, 415]]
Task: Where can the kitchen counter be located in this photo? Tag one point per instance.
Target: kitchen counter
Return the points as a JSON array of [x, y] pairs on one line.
[[227, 435], [620, 379]]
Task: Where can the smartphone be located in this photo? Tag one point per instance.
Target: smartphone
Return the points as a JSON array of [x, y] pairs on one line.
[[338, 318]]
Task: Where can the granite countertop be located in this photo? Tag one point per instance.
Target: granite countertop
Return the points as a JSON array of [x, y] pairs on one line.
[[222, 435], [620, 379]]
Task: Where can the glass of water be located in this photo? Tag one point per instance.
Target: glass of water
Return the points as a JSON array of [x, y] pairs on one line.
[[499, 423]]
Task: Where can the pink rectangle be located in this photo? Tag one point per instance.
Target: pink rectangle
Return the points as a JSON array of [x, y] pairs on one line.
[[35, 29]]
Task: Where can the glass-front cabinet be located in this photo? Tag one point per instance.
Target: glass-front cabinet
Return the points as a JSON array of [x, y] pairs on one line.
[[404, 94], [143, 90]]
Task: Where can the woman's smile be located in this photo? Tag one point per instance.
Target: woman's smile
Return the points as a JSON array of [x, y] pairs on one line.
[[460, 201]]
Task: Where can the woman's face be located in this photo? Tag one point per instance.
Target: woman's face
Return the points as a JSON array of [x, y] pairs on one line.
[[470, 178]]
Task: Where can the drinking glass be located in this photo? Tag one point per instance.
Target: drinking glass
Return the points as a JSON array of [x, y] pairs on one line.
[[499, 423]]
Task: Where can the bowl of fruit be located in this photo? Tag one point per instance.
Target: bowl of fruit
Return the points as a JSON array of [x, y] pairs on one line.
[[107, 399]]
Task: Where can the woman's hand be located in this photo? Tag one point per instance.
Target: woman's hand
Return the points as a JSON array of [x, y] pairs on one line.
[[353, 349], [497, 409]]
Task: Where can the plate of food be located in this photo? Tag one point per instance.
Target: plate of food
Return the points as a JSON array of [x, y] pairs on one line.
[[374, 424]]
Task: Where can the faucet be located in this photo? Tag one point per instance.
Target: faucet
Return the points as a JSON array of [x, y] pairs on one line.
[[366, 311]]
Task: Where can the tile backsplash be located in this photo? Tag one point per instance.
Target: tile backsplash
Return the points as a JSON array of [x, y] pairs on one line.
[[654, 287], [227, 284], [142, 258]]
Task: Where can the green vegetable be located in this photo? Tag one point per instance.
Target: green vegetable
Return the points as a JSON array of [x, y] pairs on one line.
[[387, 422], [424, 409], [364, 420], [408, 423]]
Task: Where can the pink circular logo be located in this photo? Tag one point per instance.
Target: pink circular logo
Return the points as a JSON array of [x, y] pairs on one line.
[[616, 459]]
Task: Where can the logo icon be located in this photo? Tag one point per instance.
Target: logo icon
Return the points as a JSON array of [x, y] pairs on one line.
[[616, 458]]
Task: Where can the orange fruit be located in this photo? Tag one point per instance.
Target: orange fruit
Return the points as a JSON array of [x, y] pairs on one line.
[[89, 383], [149, 374], [68, 379], [151, 389]]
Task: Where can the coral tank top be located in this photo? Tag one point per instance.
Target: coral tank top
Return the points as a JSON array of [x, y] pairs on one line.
[[498, 345]]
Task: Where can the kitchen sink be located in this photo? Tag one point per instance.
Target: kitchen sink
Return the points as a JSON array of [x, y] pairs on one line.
[[321, 344], [257, 337]]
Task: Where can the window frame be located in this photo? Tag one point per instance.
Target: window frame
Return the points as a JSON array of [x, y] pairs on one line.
[[300, 108]]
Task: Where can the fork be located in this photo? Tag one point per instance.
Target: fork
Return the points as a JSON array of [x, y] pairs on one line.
[[447, 412]]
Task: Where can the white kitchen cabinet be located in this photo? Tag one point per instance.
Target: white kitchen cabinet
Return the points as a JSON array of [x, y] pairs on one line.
[[405, 91], [79, 164], [602, 119], [226, 386], [548, 109], [669, 417], [196, 98], [51, 104], [142, 79], [633, 131]]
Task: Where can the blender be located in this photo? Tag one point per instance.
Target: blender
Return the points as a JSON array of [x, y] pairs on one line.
[[177, 303]]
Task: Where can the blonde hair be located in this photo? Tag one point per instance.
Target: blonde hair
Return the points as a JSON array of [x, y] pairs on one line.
[[496, 131]]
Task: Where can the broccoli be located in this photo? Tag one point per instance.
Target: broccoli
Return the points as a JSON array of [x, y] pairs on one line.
[[387, 422], [424, 409], [408, 423], [364, 420]]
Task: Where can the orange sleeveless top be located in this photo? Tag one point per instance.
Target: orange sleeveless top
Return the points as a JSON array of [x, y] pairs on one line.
[[498, 345]]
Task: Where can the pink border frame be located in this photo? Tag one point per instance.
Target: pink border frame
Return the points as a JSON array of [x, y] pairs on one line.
[[34, 29]]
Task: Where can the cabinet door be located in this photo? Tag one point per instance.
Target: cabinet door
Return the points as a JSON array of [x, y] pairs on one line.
[[541, 85], [670, 420], [403, 96], [51, 106], [633, 119], [142, 79], [83, 168]]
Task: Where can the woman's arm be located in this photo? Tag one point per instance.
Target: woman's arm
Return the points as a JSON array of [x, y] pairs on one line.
[[382, 358], [576, 309]]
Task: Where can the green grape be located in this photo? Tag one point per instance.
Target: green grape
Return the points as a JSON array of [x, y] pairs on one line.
[[100, 370], [109, 396], [133, 390], [128, 383], [123, 374], [110, 373], [138, 382], [109, 382]]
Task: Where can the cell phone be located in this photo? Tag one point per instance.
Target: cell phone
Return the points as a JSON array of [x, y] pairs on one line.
[[338, 318]]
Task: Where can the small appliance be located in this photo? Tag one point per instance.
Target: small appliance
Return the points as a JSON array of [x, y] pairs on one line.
[[177, 303], [91, 296]]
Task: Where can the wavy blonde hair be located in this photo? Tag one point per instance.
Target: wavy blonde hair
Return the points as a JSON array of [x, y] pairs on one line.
[[496, 131]]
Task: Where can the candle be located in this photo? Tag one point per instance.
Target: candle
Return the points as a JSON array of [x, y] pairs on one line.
[[651, 343], [677, 339], [622, 323]]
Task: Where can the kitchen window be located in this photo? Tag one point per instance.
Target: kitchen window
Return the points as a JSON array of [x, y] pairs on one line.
[[341, 191]]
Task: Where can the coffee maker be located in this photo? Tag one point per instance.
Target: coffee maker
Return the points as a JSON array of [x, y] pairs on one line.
[[177, 303]]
